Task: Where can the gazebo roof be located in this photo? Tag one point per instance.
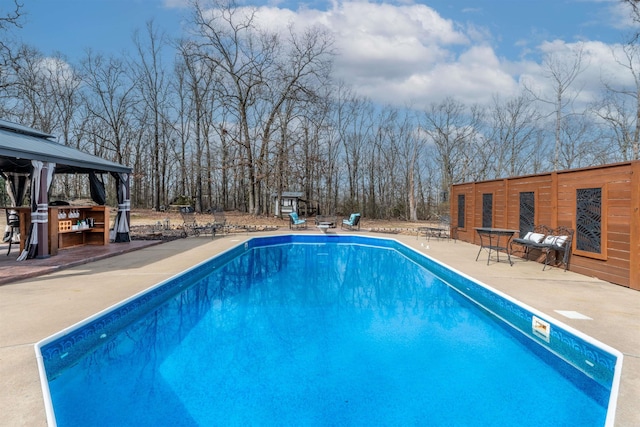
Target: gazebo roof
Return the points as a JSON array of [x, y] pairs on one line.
[[20, 144]]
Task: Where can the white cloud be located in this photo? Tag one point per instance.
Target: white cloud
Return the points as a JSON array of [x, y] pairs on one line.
[[601, 63], [621, 16], [389, 41], [402, 54], [57, 68]]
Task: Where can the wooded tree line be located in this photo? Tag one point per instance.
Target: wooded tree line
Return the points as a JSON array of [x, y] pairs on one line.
[[231, 115]]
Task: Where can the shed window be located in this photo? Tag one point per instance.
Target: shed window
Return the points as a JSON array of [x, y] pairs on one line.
[[461, 207], [527, 212], [589, 220], [487, 210]]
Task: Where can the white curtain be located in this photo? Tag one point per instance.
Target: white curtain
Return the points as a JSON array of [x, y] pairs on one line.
[[41, 177], [120, 232]]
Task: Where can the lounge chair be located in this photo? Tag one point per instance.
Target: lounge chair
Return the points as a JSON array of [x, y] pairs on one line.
[[296, 222], [352, 222]]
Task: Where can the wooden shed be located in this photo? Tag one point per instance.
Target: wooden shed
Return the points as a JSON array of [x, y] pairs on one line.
[[289, 201], [601, 203]]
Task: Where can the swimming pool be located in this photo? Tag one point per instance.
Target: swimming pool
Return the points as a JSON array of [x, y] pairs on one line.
[[268, 336]]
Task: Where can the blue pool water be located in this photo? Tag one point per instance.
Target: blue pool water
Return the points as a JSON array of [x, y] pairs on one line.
[[311, 331]]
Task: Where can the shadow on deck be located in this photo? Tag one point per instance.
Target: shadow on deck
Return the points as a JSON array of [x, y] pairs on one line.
[[12, 270]]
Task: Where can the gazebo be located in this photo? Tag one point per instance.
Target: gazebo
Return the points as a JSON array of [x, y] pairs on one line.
[[28, 155]]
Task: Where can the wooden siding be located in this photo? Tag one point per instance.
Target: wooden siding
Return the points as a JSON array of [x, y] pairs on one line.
[[555, 204]]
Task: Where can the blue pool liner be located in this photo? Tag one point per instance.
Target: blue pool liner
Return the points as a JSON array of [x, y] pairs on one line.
[[595, 359]]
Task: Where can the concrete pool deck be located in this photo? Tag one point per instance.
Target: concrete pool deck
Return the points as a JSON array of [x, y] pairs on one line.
[[35, 308]]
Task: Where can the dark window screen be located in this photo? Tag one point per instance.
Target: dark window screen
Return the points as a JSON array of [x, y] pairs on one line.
[[527, 212], [589, 220], [487, 210], [461, 208]]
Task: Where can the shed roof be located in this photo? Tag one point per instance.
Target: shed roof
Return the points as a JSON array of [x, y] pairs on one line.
[[20, 144], [290, 194]]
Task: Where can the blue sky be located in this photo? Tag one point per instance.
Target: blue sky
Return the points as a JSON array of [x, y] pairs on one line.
[[70, 26], [390, 51], [105, 26]]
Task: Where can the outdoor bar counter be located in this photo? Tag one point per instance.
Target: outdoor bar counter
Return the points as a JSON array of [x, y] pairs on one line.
[[70, 226]]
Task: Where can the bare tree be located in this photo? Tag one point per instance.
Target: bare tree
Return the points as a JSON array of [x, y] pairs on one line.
[[227, 39], [200, 81], [381, 155], [65, 85], [620, 121], [513, 125], [634, 14], [33, 101], [247, 112], [260, 71], [301, 69], [323, 157], [582, 143], [453, 130], [393, 162], [562, 69], [10, 20], [153, 92], [620, 105], [412, 144], [354, 121], [110, 102], [181, 107]]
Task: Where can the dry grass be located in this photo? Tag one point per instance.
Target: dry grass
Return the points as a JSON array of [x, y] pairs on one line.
[[151, 217], [147, 223]]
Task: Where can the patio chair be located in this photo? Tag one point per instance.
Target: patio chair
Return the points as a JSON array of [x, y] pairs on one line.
[[219, 222], [190, 224], [448, 231], [296, 222], [352, 222], [12, 231]]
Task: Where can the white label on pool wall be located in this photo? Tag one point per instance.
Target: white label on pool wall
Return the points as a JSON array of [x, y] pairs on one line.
[[541, 328]]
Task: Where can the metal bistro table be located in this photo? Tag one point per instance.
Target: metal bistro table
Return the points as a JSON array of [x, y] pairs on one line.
[[490, 239]]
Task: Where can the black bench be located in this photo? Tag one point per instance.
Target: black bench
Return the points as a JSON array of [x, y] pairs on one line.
[[547, 240]]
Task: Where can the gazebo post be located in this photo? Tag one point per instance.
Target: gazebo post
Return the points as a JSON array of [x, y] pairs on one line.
[[43, 213], [123, 217]]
